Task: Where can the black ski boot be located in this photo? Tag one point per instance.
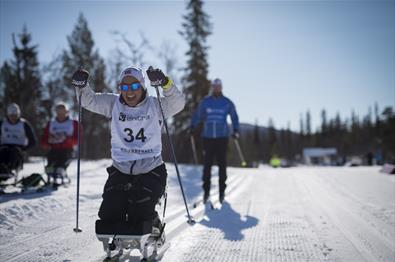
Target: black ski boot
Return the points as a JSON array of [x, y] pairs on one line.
[[205, 197], [221, 197], [157, 227]]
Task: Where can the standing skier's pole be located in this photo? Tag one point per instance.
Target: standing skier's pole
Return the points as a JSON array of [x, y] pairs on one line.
[[77, 229], [243, 162], [194, 150]]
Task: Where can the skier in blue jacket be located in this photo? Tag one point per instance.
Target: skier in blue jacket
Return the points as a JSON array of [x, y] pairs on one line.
[[212, 112]]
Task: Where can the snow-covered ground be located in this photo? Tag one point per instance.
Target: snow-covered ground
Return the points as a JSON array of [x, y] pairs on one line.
[[294, 214]]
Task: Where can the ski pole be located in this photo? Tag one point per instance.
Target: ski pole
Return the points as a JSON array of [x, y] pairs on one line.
[[190, 220], [243, 162], [77, 229], [194, 150]]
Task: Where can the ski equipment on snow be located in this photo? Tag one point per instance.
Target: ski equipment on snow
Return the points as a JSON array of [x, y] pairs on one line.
[[117, 237], [80, 80], [243, 162], [195, 158]]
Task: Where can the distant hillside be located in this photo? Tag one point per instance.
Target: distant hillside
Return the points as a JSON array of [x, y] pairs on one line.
[[247, 128]]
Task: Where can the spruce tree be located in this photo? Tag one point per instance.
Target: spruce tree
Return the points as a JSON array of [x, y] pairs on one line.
[[21, 79], [272, 139], [196, 29], [81, 53]]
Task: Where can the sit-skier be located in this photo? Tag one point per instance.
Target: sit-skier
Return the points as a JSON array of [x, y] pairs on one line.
[[16, 137], [60, 138], [137, 177]]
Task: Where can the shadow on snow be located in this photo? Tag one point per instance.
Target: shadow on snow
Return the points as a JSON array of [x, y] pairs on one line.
[[229, 221]]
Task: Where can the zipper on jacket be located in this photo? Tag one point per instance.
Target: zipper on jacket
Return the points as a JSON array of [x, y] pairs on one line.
[[131, 167]]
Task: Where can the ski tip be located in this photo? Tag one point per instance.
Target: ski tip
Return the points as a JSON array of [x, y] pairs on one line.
[[77, 230]]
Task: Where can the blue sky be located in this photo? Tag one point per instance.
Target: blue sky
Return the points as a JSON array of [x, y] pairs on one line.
[[276, 58]]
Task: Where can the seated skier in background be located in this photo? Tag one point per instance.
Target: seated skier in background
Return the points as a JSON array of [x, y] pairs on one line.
[[16, 136], [137, 178], [60, 136]]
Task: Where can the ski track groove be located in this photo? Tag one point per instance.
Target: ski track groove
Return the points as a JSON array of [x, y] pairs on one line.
[[366, 220], [177, 225], [231, 184], [368, 210], [277, 238], [297, 226], [287, 235], [359, 239]]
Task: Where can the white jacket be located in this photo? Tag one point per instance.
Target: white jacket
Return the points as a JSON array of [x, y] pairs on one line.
[[103, 103]]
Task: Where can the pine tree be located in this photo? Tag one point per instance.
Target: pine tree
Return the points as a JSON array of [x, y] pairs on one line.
[[22, 81], [301, 125], [253, 145], [308, 124], [388, 138], [81, 53], [289, 147], [323, 134], [54, 86], [196, 29], [272, 139]]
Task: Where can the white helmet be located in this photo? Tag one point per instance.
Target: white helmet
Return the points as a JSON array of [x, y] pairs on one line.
[[13, 109]]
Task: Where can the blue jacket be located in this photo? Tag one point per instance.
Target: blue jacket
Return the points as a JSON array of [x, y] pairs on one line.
[[213, 111]]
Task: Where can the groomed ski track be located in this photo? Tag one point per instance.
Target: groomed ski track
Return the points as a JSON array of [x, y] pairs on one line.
[[295, 214]]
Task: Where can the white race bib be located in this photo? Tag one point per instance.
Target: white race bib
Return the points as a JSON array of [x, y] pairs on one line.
[[135, 131], [13, 134], [59, 131]]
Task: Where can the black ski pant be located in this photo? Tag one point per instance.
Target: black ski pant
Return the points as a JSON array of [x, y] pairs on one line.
[[59, 157], [214, 149], [132, 198], [11, 157]]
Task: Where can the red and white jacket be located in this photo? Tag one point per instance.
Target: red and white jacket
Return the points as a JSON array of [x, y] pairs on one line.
[[60, 135]]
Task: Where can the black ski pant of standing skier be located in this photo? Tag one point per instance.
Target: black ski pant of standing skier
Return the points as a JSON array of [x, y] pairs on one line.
[[132, 198], [214, 148]]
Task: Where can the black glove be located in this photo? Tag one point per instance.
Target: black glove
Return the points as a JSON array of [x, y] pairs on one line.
[[157, 77], [235, 135], [191, 131], [80, 78]]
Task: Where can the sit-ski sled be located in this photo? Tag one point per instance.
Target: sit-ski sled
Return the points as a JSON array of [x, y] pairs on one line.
[[28, 184], [57, 177], [118, 237]]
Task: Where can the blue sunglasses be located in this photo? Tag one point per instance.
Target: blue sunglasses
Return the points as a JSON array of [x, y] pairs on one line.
[[133, 86]]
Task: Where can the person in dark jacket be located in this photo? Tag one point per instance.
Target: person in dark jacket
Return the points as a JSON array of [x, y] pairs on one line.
[[16, 136], [212, 112]]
